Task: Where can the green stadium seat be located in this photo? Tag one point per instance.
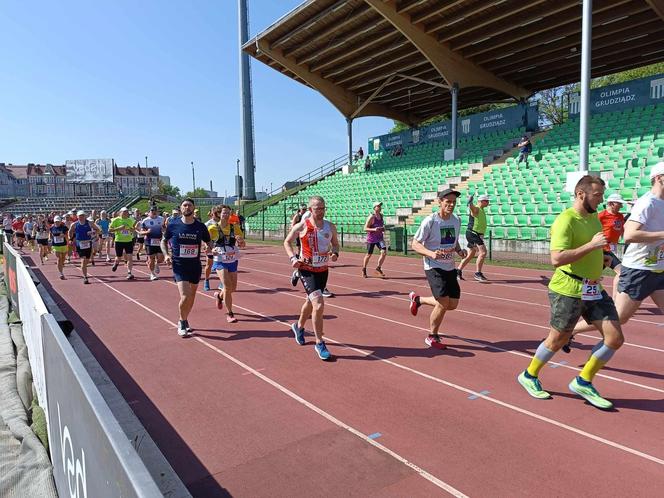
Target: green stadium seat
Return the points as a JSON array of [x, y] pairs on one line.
[[512, 233], [541, 233]]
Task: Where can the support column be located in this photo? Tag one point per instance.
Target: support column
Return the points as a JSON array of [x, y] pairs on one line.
[[455, 97], [349, 122], [586, 48], [247, 111]]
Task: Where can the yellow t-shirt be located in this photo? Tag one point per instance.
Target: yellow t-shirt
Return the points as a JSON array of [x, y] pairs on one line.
[[570, 230], [216, 231]]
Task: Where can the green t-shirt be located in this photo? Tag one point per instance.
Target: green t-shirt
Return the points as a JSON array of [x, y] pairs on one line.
[[480, 221], [127, 233], [570, 230]]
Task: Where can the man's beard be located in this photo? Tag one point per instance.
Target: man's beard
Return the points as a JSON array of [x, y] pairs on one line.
[[588, 207]]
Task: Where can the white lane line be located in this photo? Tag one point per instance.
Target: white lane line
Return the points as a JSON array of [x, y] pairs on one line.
[[493, 317], [438, 380], [423, 473]]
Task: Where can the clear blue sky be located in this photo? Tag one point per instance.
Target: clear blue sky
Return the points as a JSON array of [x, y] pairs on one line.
[[126, 79]]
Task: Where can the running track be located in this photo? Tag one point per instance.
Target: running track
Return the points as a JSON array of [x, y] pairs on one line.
[[242, 409]]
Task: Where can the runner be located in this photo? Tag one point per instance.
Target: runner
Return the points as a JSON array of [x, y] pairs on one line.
[[81, 233], [437, 240], [58, 237], [228, 239], [297, 218], [375, 228], [104, 223], [475, 237], [185, 235], [215, 216], [19, 234], [40, 232], [319, 244], [139, 239], [151, 229], [642, 269], [575, 291], [7, 222], [28, 228], [122, 228]]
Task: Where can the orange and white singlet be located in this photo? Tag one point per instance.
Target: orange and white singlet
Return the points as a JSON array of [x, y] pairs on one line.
[[315, 253]]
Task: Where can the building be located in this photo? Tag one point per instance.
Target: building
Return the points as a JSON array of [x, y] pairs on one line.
[[7, 182], [136, 180]]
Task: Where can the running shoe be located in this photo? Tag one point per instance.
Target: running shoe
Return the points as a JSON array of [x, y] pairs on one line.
[[532, 386], [153, 277], [220, 300], [230, 317], [414, 303], [186, 325], [567, 348], [62, 277], [114, 267], [130, 276], [85, 280], [479, 276], [327, 293], [299, 334], [321, 350], [588, 392], [379, 272], [206, 285], [460, 275], [182, 329], [295, 276], [433, 341], [364, 272], [108, 260]]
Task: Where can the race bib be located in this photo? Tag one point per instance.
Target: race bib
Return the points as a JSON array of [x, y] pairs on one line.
[[188, 250], [320, 260], [448, 253], [228, 256], [58, 239], [591, 290], [155, 242], [613, 247], [84, 244], [124, 231]]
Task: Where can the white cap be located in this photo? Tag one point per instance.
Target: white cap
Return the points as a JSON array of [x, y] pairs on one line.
[[81, 213], [657, 169], [615, 198], [124, 209], [57, 218], [377, 203], [483, 197]]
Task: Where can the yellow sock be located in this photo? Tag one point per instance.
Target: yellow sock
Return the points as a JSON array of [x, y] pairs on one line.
[[592, 366], [535, 366]]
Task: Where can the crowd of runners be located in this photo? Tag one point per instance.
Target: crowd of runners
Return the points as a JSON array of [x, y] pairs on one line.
[[583, 244]]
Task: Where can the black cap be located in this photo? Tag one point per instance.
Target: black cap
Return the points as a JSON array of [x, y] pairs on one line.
[[448, 191]]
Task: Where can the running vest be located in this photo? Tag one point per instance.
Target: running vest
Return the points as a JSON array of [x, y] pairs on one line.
[[374, 237], [315, 253], [224, 247], [42, 230], [83, 234], [477, 223]]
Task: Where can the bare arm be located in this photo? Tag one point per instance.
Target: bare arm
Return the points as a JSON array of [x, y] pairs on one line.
[[335, 244], [567, 256], [367, 228], [419, 248], [634, 233], [70, 233], [474, 210], [290, 240]]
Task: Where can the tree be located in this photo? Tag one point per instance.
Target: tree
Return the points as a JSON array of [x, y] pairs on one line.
[[164, 189], [197, 192]]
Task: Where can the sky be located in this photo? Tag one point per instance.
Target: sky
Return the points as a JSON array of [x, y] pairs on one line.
[[128, 79]]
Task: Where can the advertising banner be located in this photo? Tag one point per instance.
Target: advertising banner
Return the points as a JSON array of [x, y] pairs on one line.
[[641, 92], [91, 455], [11, 279], [89, 170], [468, 126]]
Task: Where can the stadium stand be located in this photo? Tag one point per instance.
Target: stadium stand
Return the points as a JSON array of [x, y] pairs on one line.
[[61, 204]]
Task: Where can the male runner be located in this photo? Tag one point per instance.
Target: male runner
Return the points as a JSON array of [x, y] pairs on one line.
[[437, 240], [139, 239], [613, 226], [40, 232], [58, 236], [7, 222], [297, 218], [642, 269], [104, 223], [123, 228], [28, 228], [575, 291], [319, 245], [375, 228], [185, 235], [228, 239], [215, 216], [81, 233], [151, 229], [19, 234], [475, 237]]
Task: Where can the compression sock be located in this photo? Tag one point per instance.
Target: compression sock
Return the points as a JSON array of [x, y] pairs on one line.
[[600, 356], [542, 356]]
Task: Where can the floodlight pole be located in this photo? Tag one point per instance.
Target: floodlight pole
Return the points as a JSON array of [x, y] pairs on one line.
[[247, 110], [349, 123], [455, 97], [586, 48]]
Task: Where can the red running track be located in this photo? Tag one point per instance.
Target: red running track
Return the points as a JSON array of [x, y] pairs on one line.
[[242, 409]]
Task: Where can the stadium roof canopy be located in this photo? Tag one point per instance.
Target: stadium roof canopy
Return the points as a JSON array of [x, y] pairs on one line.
[[398, 58]]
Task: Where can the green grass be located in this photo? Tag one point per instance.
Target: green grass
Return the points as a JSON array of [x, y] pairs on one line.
[[144, 204]]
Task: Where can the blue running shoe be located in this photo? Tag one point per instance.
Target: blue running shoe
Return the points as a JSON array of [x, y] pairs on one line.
[[321, 350], [299, 334], [206, 285]]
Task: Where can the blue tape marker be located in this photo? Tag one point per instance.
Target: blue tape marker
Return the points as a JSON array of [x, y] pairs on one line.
[[474, 396], [559, 364], [375, 435]]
